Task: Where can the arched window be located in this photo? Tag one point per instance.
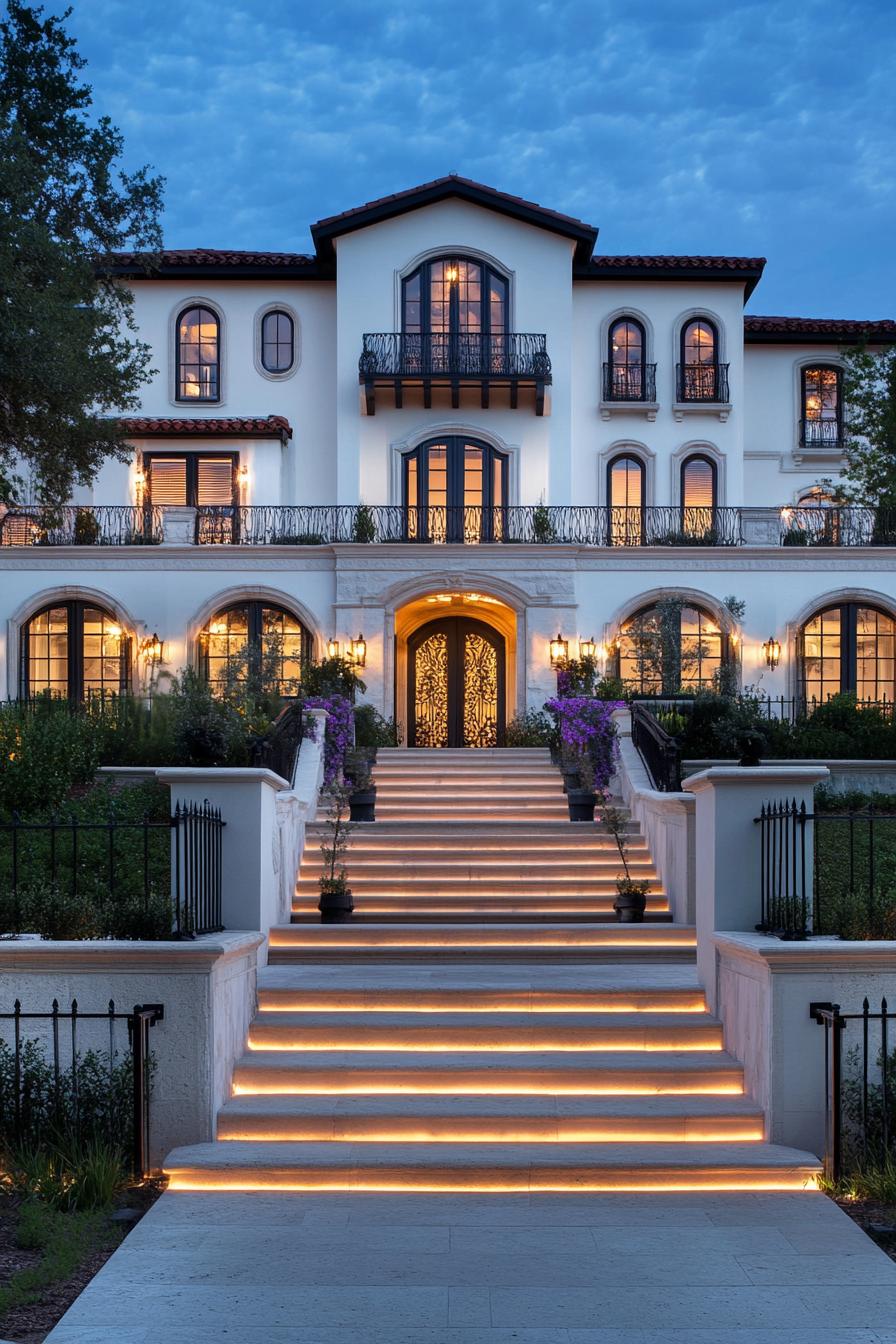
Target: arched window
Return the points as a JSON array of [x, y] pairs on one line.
[[74, 650], [625, 500], [849, 648], [669, 648], [198, 355], [455, 489], [278, 341], [626, 351], [255, 640], [698, 493], [454, 316], [698, 372], [821, 421]]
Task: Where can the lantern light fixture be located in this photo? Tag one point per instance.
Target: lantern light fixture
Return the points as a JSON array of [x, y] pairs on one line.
[[559, 650], [772, 650], [152, 648], [332, 648], [587, 648], [359, 651]]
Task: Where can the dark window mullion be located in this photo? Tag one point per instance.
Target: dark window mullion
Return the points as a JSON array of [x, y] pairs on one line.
[[848, 650], [75, 619]]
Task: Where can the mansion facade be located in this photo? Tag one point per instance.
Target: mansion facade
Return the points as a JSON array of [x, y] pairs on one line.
[[450, 437]]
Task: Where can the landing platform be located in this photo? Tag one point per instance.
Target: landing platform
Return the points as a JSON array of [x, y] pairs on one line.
[[490, 1269]]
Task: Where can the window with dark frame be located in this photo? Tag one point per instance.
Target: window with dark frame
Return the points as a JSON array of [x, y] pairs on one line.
[[255, 636], [455, 489], [626, 343], [699, 371], [699, 491], [704, 650], [821, 414], [198, 355], [625, 500], [278, 342], [192, 479], [849, 647], [75, 651], [454, 311]]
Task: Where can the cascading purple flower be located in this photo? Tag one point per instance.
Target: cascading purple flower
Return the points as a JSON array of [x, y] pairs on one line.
[[340, 734], [587, 729]]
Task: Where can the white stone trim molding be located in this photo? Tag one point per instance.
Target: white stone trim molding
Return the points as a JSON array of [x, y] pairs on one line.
[[181, 304], [698, 448], [250, 592], [627, 448], [72, 592], [398, 448], [276, 306]]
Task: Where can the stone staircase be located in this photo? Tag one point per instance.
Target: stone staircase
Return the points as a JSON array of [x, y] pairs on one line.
[[473, 1032]]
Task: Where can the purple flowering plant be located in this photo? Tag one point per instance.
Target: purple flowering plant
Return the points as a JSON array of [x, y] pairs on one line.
[[339, 737], [588, 740]]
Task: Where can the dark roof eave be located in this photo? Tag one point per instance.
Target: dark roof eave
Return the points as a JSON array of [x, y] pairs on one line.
[[746, 271], [224, 271], [817, 331], [444, 188]]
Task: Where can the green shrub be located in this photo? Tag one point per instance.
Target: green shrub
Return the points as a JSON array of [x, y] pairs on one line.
[[331, 676], [373, 730], [364, 524], [45, 749], [207, 730], [90, 1101], [65, 1240], [74, 1175], [531, 729]]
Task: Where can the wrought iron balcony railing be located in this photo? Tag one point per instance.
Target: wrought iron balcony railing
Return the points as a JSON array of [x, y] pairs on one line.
[[821, 434], [629, 382], [539, 524], [838, 525], [448, 359], [81, 525], [701, 382]]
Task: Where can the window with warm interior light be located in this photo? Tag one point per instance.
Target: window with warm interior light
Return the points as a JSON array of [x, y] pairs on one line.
[[455, 489], [625, 357], [849, 647], [74, 651], [699, 360], [625, 497], [255, 639], [821, 411], [194, 479], [454, 314], [653, 660], [198, 355]]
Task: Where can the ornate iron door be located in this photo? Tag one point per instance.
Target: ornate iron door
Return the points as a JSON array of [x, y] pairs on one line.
[[455, 684]]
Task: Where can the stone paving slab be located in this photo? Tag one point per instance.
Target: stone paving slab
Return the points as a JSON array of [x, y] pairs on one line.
[[209, 1268]]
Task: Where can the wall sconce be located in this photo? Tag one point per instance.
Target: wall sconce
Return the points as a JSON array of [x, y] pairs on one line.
[[152, 648], [358, 653], [242, 474], [140, 476], [772, 650], [332, 648], [559, 650], [587, 648]]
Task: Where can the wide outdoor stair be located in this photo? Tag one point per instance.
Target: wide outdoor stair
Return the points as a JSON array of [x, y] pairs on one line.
[[487, 1077], [464, 836]]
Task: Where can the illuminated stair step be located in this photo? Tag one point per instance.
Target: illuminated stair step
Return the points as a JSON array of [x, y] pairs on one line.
[[308, 913], [437, 887], [355, 994], [250, 1165], [485, 1032], [484, 936], [490, 868]]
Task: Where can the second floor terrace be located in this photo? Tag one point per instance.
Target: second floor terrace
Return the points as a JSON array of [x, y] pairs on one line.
[[396, 361], [311, 525]]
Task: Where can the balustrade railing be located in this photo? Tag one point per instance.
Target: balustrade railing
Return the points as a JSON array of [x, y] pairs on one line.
[[815, 433], [81, 525], [660, 752], [701, 382], [466, 354], [838, 525], [629, 382]]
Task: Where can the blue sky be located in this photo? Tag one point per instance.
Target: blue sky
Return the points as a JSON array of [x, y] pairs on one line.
[[749, 128]]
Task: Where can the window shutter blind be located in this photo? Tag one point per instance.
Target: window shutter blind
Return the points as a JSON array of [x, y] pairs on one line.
[[214, 481], [168, 480]]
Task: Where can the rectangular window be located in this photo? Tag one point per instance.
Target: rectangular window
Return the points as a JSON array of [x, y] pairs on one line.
[[192, 478]]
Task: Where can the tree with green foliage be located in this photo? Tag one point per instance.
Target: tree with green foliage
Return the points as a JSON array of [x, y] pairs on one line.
[[869, 398], [69, 353]]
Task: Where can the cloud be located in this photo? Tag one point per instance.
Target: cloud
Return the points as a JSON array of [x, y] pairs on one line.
[[752, 128]]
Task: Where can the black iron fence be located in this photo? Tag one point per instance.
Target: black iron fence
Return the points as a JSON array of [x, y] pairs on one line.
[[816, 433], [823, 871], [859, 1076], [537, 524], [658, 750], [629, 382], [52, 1088], [114, 863], [465, 354], [81, 525], [701, 382]]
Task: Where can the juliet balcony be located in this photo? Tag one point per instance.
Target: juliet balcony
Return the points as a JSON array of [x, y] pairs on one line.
[[396, 363]]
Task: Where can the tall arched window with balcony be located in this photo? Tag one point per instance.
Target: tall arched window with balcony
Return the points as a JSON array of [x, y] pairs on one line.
[[664, 650], [625, 369], [74, 651], [257, 641], [198, 355], [700, 376], [625, 500], [455, 489], [699, 494], [455, 317], [849, 647], [821, 418]]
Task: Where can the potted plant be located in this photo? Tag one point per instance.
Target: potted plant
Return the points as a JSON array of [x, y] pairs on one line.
[[336, 904], [631, 894], [580, 793], [360, 782], [364, 524]]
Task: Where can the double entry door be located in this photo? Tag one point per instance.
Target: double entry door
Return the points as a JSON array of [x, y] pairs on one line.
[[456, 671]]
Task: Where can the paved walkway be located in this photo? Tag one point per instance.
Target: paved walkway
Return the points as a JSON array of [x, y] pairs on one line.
[[210, 1268]]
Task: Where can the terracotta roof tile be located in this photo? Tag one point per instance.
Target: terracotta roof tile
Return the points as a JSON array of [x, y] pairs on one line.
[[214, 256], [683, 263], [831, 328], [247, 426]]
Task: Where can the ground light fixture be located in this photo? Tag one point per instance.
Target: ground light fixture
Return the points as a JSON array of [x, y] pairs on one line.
[[359, 651], [559, 650], [772, 650]]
